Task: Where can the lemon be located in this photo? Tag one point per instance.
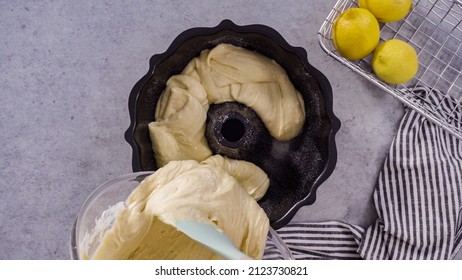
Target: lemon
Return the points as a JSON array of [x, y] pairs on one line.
[[355, 33], [395, 62], [387, 10]]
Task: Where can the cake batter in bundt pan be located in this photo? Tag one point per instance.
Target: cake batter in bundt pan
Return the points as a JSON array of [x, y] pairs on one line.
[[296, 167]]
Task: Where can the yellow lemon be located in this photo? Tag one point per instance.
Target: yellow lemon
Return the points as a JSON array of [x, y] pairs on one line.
[[355, 33], [387, 10], [395, 62]]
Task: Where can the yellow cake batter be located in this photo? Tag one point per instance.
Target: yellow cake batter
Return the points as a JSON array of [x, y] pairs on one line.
[[225, 73], [189, 190]]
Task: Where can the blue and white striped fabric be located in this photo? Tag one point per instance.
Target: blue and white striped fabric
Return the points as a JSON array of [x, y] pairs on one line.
[[418, 201]]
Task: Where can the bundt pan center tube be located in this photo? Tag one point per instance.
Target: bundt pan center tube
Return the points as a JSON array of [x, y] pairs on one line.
[[295, 167]]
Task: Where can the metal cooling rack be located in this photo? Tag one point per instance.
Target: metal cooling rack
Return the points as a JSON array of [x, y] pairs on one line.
[[434, 29]]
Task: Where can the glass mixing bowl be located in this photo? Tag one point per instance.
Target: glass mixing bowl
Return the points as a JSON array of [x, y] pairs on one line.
[[102, 206]]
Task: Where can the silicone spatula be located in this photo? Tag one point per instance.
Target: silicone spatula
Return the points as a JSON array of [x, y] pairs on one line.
[[212, 238]]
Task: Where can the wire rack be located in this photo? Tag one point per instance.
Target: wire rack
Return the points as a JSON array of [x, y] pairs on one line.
[[434, 29]]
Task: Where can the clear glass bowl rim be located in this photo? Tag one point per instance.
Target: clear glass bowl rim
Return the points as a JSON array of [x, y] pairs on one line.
[[73, 246]]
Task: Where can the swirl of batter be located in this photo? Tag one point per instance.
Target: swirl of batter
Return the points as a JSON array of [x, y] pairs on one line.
[[224, 73]]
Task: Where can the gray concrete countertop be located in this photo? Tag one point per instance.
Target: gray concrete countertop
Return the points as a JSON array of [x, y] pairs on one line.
[[67, 68]]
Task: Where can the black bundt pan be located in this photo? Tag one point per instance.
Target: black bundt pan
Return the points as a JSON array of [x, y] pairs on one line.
[[296, 168]]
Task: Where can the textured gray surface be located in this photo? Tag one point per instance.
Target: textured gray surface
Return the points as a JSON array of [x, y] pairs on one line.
[[67, 68]]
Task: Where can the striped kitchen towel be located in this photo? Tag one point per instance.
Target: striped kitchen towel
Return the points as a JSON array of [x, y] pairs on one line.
[[418, 201]]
